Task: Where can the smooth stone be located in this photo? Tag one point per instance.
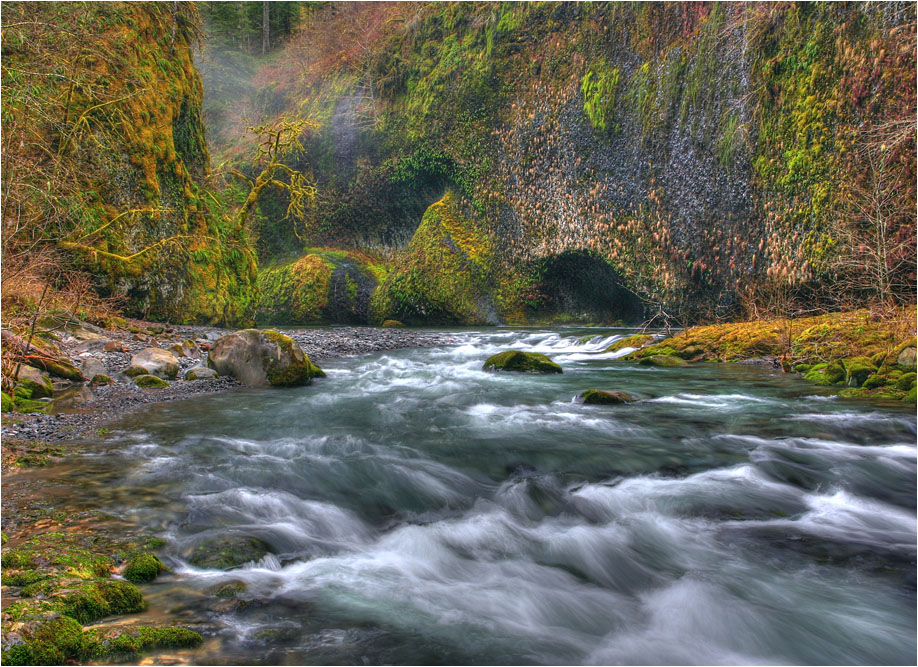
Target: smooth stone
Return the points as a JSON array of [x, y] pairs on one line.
[[156, 361], [201, 373]]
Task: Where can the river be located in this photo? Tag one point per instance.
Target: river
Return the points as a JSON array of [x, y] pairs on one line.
[[422, 511]]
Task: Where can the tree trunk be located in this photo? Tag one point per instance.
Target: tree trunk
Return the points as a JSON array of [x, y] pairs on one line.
[[265, 27]]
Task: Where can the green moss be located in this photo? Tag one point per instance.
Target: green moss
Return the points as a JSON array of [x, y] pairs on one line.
[[103, 644], [906, 381], [857, 370], [392, 324], [316, 371], [600, 397], [100, 380], [143, 567], [135, 371], [599, 87], [224, 553], [22, 578], [299, 369], [28, 388], [150, 382], [521, 362], [7, 402], [50, 642], [95, 600]]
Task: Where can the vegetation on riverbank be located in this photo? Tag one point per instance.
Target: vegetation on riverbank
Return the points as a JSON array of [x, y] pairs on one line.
[[863, 355]]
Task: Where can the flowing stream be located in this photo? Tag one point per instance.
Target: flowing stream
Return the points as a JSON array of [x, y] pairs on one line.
[[422, 511]]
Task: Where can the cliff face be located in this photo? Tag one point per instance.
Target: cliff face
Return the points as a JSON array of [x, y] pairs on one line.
[[105, 152], [706, 157]]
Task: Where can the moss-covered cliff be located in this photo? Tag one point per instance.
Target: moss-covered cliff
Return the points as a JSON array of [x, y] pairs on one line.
[[716, 156], [105, 157]]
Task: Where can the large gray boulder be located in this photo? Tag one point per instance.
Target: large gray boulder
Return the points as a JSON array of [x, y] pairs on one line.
[[258, 358], [154, 361]]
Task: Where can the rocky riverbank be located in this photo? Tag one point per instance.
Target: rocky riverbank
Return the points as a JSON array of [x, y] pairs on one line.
[[76, 409]]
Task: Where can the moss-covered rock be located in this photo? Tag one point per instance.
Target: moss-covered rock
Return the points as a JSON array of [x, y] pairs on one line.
[[600, 397], [906, 381], [100, 380], [201, 373], [227, 552], [150, 382], [324, 286], [857, 370], [94, 600], [51, 641], [113, 643], [37, 383], [521, 362], [663, 361], [143, 567], [257, 358], [448, 274], [316, 371], [7, 402], [392, 324]]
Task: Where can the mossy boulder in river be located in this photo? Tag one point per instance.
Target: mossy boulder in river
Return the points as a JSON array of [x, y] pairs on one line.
[[600, 397], [636, 341], [258, 358], [38, 383], [521, 362], [143, 567]]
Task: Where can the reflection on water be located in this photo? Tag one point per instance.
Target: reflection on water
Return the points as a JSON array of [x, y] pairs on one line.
[[422, 511]]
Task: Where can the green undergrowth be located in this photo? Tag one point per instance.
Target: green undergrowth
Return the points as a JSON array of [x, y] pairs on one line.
[[862, 355], [58, 581]]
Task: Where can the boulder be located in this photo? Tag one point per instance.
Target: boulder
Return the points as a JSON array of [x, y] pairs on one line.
[[392, 324], [92, 367], [857, 370], [521, 362], [906, 381], [258, 358], [154, 361], [907, 357], [186, 349], [662, 360], [227, 552], [600, 397], [201, 373], [37, 383]]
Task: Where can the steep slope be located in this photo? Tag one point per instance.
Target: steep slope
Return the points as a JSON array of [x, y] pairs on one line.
[[719, 157], [105, 158]]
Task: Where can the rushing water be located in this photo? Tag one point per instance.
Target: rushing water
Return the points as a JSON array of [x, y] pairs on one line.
[[422, 511]]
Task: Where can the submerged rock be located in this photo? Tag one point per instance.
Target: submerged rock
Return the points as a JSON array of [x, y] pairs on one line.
[[227, 552], [521, 362], [154, 361], [600, 397], [257, 358], [662, 360]]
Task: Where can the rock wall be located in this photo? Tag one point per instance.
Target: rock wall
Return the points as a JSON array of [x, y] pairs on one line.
[[109, 96], [712, 154]]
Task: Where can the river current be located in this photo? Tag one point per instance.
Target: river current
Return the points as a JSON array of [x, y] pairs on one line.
[[422, 511]]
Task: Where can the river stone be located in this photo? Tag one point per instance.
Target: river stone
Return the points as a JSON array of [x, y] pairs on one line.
[[92, 367], [257, 358], [227, 552], [150, 382], [600, 397], [154, 361], [907, 357], [114, 346], [521, 362], [201, 373]]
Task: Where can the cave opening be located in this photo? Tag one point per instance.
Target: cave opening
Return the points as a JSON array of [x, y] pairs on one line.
[[577, 286]]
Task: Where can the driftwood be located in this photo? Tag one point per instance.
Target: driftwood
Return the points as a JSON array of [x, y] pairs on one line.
[[31, 354]]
